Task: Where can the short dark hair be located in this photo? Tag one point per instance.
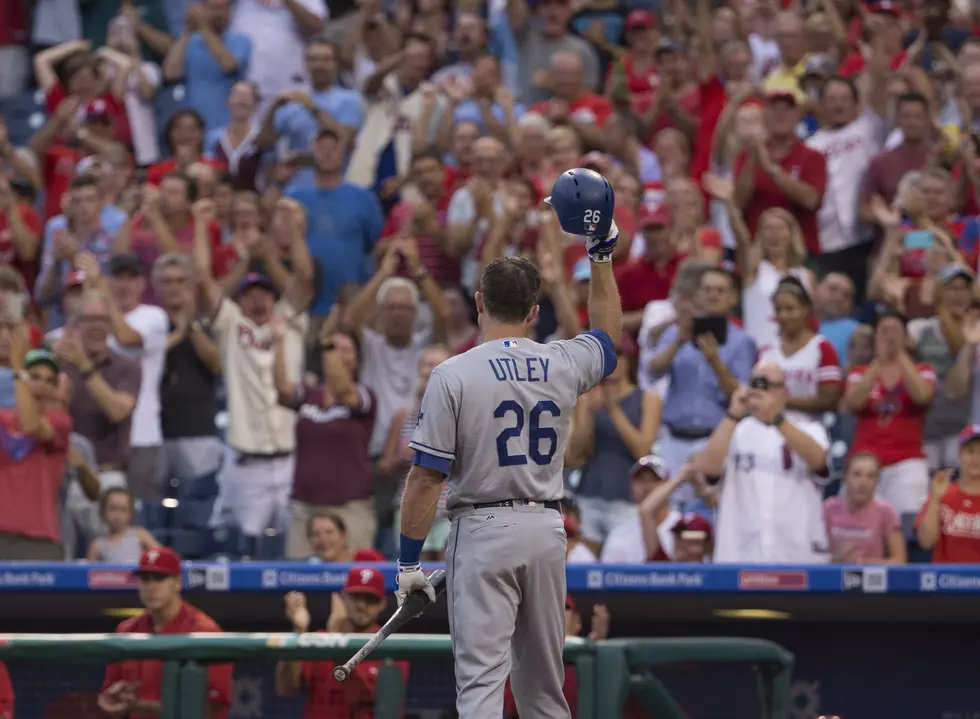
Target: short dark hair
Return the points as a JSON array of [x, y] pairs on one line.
[[721, 272], [912, 98], [188, 182], [84, 180], [841, 80], [429, 153], [421, 37], [325, 514], [510, 288]]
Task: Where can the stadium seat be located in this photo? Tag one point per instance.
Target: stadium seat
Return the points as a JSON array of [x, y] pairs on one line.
[[917, 555], [193, 513], [204, 487], [154, 516], [271, 547], [167, 101], [225, 543], [190, 543], [25, 114]]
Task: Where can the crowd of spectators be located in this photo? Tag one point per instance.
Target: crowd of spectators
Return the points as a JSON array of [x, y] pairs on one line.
[[236, 238]]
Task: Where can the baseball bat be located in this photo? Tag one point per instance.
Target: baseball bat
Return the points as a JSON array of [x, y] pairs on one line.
[[414, 604]]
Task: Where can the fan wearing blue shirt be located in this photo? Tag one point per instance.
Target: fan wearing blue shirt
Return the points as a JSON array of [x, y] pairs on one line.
[[296, 116], [344, 222], [209, 59]]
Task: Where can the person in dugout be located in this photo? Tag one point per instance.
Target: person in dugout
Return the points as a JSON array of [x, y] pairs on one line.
[[573, 627], [6, 694], [132, 687], [355, 610]]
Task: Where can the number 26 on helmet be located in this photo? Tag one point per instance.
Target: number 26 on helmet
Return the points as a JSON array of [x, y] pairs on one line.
[[584, 202]]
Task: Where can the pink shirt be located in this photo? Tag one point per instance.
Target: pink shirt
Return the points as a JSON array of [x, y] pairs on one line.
[[863, 533]]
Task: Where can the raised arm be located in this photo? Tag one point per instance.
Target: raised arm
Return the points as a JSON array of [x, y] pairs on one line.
[[46, 62], [362, 305], [211, 294], [605, 309]]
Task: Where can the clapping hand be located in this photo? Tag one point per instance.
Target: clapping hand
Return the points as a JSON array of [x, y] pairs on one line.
[[941, 482], [70, 350], [296, 611], [738, 405], [708, 344], [600, 623]]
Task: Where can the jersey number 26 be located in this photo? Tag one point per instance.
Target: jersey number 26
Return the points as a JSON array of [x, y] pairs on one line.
[[536, 433]]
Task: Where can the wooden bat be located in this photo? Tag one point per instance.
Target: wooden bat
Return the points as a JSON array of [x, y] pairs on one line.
[[414, 604]]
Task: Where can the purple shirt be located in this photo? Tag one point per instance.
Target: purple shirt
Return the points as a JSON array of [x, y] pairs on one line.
[[332, 464], [863, 533]]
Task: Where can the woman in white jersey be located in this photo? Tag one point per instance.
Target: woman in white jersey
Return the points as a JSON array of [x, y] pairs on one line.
[[777, 251], [813, 376]]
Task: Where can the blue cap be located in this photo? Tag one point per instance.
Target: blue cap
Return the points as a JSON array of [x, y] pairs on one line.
[[582, 271]]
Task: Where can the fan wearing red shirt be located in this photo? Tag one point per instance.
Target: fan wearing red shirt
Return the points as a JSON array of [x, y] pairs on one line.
[[363, 600], [782, 172], [572, 103], [424, 219], [185, 140], [890, 398], [884, 23], [132, 687], [20, 233], [649, 277], [949, 523]]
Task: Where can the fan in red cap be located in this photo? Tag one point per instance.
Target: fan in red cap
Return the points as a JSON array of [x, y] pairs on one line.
[[651, 536], [132, 687], [949, 522], [355, 610]]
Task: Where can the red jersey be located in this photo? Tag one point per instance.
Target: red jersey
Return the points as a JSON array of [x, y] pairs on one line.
[[58, 169], [115, 110], [640, 282], [587, 108], [712, 99], [353, 699], [959, 542], [640, 84], [156, 173], [443, 268], [8, 254], [803, 164], [144, 244], [891, 424], [6, 694], [30, 476], [148, 673]]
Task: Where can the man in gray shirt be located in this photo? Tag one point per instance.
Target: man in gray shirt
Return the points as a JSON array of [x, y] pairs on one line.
[[539, 34]]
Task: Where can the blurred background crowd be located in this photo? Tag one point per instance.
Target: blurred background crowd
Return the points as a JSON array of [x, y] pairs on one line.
[[236, 237]]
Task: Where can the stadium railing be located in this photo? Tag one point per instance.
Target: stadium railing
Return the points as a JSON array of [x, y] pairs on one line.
[[610, 674]]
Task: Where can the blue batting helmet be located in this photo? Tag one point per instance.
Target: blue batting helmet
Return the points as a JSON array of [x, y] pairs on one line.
[[584, 202]]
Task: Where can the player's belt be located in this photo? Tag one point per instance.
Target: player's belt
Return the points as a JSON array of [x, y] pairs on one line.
[[688, 435], [548, 504]]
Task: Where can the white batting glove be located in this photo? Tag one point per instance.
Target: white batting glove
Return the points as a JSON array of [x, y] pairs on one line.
[[601, 249], [411, 578]]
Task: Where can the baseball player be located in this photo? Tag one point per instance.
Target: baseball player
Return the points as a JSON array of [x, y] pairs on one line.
[[495, 422]]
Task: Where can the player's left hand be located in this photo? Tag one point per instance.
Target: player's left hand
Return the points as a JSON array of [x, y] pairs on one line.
[[411, 578], [601, 249]]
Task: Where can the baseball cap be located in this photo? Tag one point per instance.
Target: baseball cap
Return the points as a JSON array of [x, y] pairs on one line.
[[364, 580], [692, 526], [161, 561], [74, 279], [96, 110], [41, 356], [641, 18], [783, 96], [255, 279], [886, 7], [126, 262], [659, 217], [582, 271], [969, 433], [668, 45], [953, 270], [653, 463], [818, 66]]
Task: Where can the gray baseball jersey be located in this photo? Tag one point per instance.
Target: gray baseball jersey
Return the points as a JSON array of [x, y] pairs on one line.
[[495, 419]]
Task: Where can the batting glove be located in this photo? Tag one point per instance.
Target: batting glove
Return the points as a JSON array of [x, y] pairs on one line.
[[601, 249], [410, 579]]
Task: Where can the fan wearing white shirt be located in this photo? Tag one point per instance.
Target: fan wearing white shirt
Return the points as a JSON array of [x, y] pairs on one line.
[[139, 332], [648, 537], [852, 133], [770, 507]]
